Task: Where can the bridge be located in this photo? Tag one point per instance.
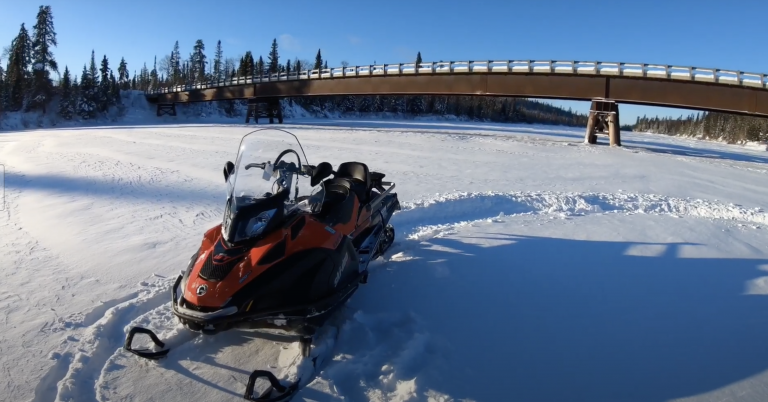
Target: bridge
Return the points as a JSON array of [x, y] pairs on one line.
[[606, 84]]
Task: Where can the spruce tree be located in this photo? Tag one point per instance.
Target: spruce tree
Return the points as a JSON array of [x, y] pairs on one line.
[[175, 66], [105, 99], [418, 61], [297, 66], [43, 38], [197, 62], [260, 67], [18, 70], [318, 61], [325, 65], [122, 74], [153, 78], [288, 67], [218, 71], [273, 58], [86, 105], [67, 103]]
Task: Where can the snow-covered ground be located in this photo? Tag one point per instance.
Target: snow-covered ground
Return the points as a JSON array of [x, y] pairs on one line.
[[527, 266]]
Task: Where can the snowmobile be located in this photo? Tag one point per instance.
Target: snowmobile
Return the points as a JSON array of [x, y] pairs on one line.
[[294, 244]]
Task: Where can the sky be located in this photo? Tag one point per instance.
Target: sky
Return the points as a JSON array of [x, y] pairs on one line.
[[700, 33]]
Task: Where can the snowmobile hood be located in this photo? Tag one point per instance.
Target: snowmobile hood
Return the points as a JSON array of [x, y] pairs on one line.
[[219, 271]]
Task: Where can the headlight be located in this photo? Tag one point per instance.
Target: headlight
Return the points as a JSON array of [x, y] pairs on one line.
[[256, 225]]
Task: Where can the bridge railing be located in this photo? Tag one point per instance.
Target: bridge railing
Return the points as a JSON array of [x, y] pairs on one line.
[[599, 68]]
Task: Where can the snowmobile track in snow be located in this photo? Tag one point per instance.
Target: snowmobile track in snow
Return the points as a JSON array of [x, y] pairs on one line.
[[77, 372]]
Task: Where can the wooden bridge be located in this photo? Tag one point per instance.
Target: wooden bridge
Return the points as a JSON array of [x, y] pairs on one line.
[[606, 84]]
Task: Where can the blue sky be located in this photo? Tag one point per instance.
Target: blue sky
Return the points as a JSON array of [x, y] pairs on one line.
[[682, 32]]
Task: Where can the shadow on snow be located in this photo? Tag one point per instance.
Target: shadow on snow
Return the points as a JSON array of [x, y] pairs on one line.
[[548, 319]]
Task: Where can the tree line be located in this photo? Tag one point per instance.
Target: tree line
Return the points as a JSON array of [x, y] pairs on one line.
[[27, 82], [730, 128]]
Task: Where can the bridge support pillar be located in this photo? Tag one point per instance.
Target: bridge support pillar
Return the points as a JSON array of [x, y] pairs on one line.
[[264, 107], [603, 115], [166, 108]]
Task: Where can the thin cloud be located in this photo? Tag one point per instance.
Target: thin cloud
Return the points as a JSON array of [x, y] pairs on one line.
[[355, 40], [289, 42]]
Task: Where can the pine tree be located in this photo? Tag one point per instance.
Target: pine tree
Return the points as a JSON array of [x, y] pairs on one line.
[[298, 65], [260, 67], [114, 88], [67, 102], [153, 78], [318, 61], [86, 105], [18, 70], [122, 75], [418, 61], [175, 66], [43, 38], [105, 99], [218, 71], [197, 62], [325, 66], [288, 67], [273, 58]]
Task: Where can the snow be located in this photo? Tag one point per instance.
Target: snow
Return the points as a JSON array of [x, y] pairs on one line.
[[527, 265]]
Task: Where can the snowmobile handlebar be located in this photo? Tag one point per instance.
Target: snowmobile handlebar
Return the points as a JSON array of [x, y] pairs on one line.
[[290, 167]]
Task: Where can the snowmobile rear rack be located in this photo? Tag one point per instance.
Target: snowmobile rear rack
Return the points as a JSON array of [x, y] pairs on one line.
[[145, 353], [283, 393]]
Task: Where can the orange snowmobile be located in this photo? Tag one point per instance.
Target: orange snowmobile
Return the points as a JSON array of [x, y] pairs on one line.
[[294, 244]]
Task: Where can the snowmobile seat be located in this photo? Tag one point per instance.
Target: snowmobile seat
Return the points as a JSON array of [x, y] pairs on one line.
[[359, 177], [337, 205]]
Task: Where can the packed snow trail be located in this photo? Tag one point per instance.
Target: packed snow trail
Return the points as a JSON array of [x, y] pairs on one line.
[[514, 241]]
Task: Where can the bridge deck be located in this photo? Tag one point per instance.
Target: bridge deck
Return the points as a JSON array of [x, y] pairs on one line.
[[685, 87]]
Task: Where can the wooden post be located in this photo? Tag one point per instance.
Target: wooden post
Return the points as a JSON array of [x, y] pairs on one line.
[[614, 127], [591, 137]]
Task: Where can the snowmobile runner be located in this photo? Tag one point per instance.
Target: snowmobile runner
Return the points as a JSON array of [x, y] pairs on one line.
[[294, 244]]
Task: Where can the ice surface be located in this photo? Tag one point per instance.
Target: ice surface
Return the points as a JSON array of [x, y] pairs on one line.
[[527, 265]]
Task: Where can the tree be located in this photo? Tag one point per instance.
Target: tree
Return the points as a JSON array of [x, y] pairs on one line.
[[122, 75], [288, 67], [318, 61], [43, 38], [67, 102], [153, 78], [218, 70], [105, 99], [17, 76], [298, 65], [273, 59], [86, 105], [344, 63], [325, 66], [418, 61], [174, 73], [197, 63], [260, 67]]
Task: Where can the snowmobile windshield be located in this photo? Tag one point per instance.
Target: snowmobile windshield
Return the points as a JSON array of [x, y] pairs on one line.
[[271, 178]]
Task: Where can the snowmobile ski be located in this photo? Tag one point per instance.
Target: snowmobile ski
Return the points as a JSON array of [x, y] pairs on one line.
[[145, 353], [276, 392]]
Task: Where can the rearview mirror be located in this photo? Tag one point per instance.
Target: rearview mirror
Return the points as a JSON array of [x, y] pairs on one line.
[[323, 170], [228, 168]]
